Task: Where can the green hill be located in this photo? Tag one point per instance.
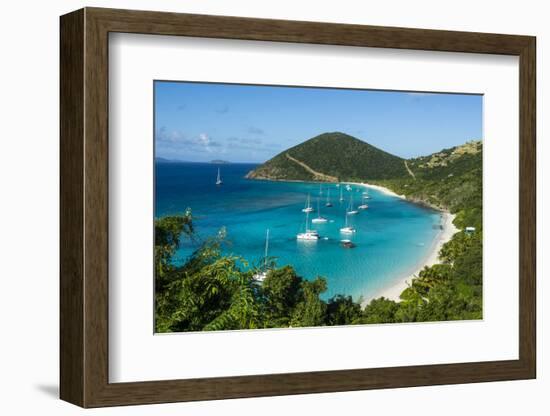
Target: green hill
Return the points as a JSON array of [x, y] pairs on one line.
[[332, 157]]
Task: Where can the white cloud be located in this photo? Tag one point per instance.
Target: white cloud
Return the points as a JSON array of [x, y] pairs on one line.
[[205, 141], [176, 139]]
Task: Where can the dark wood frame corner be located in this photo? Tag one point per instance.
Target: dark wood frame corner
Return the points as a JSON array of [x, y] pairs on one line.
[[84, 207]]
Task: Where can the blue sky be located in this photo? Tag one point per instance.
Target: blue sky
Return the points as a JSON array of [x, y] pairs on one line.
[[200, 122]]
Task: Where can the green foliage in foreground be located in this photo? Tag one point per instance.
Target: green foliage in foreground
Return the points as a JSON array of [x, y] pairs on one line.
[[211, 291]]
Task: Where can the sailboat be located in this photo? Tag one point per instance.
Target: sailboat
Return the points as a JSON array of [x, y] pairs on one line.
[[341, 194], [366, 195], [308, 207], [260, 276], [351, 211], [219, 179], [319, 219], [347, 229], [363, 206], [348, 187], [308, 235], [320, 189], [328, 203]]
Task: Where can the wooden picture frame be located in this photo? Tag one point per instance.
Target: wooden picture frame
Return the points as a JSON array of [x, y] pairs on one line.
[[84, 207]]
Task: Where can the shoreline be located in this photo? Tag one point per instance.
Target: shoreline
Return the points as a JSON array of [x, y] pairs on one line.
[[449, 230], [378, 188], [394, 291]]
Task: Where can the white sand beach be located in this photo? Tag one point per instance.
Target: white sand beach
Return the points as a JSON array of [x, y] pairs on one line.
[[449, 229], [378, 188], [445, 235]]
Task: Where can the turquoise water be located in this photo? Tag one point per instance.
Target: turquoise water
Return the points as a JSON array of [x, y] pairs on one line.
[[393, 236]]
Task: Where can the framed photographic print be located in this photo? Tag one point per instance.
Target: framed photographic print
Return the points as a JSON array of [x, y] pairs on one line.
[[255, 207]]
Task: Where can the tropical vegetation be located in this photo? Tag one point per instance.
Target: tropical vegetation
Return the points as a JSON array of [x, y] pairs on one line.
[[214, 291]]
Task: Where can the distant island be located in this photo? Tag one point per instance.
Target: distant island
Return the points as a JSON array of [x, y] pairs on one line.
[[214, 162], [164, 160]]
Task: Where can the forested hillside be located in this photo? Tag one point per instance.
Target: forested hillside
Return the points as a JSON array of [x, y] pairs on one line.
[[337, 156], [450, 179]]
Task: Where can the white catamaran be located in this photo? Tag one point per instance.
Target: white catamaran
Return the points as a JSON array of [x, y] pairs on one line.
[[308, 207], [260, 276], [319, 219], [219, 178], [351, 211], [347, 229], [308, 235], [363, 206], [341, 194]]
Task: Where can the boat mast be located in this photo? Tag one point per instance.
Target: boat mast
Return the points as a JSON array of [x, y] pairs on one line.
[[318, 207], [266, 248]]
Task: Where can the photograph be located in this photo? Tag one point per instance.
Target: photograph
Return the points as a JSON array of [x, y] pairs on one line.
[[282, 206]]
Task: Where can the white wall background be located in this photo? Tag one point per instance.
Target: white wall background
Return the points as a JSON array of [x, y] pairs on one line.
[[29, 206]]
